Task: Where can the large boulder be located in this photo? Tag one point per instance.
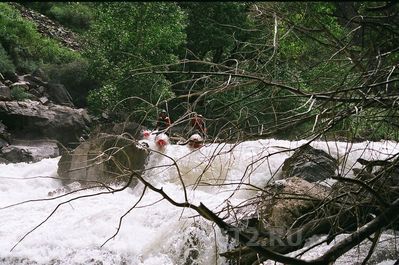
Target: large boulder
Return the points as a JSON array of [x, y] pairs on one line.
[[106, 158], [33, 120], [287, 200], [283, 207], [310, 164]]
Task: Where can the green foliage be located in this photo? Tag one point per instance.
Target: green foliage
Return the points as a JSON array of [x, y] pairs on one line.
[[313, 50], [42, 7], [6, 64], [127, 36], [25, 46], [75, 15], [19, 93], [373, 125], [215, 29], [75, 77], [103, 99]]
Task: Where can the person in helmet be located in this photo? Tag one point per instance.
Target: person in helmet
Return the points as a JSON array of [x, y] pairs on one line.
[[163, 122], [198, 124], [195, 141], [161, 142]]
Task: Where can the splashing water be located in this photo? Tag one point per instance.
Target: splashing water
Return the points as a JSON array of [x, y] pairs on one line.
[[155, 232]]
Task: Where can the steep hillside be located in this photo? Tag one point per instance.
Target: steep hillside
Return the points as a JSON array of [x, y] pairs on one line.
[[49, 28]]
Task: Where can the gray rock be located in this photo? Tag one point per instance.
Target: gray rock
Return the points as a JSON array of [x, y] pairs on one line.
[[33, 80], [131, 129], [3, 143], [14, 154], [33, 120], [4, 135], [106, 158], [278, 209], [43, 100], [310, 164], [22, 84], [39, 149], [41, 89], [5, 92], [59, 94]]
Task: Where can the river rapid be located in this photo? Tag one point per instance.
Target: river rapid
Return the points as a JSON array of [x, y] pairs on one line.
[[154, 232]]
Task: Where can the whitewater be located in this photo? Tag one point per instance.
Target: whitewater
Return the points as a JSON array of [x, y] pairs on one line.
[[154, 232]]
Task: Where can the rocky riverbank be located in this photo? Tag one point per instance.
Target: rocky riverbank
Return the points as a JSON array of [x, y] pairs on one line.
[[37, 118]]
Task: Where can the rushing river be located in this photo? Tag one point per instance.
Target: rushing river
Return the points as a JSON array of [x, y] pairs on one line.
[[154, 232]]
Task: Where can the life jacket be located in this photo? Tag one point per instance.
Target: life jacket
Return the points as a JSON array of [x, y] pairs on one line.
[[198, 123], [163, 122]]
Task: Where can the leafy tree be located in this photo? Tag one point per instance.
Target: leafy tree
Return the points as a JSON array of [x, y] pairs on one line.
[[126, 36], [215, 29], [297, 56]]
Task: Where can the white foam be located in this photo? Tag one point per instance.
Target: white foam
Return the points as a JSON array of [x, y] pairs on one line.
[[158, 233]]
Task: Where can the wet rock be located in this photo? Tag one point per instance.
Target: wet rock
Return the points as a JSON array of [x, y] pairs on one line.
[[289, 199], [310, 164], [33, 120], [284, 206], [13, 154], [106, 158], [39, 149]]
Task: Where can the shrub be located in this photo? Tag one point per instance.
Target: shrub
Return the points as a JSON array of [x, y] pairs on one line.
[[42, 7], [103, 99], [27, 66], [75, 77], [6, 64], [25, 45], [19, 93], [74, 15]]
